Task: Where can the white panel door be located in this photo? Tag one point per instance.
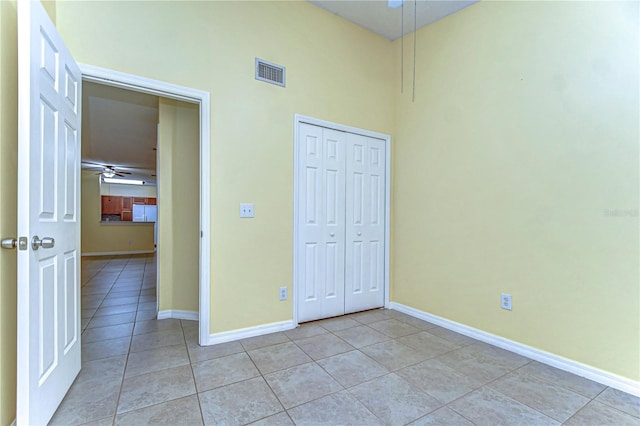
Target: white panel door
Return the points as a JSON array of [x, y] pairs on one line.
[[365, 227], [49, 85], [321, 222]]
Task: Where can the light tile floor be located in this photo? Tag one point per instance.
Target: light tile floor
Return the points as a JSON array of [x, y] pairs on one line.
[[375, 367]]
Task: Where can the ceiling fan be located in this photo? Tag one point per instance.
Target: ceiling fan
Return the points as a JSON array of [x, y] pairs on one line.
[[106, 170]]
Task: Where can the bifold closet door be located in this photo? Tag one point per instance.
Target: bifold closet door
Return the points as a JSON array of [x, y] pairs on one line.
[[365, 223], [321, 222]]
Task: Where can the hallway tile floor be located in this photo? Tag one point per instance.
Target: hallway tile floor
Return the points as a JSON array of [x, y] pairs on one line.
[[369, 368]]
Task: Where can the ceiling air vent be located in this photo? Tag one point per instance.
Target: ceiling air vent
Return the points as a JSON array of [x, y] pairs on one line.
[[271, 73]]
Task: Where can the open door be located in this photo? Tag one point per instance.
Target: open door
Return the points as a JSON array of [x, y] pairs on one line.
[[49, 84]]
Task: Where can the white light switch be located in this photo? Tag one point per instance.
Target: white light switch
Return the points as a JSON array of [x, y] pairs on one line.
[[246, 210]]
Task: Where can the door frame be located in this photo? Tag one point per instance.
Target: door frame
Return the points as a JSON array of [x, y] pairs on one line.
[[298, 119], [186, 94]]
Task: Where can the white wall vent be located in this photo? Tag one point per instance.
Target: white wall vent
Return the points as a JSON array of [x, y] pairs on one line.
[[271, 73]]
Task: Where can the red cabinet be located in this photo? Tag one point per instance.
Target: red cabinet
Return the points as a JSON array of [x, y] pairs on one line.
[[111, 204]]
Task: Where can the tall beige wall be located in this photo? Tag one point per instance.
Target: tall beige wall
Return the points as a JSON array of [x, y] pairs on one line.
[[179, 205], [335, 71], [516, 171], [100, 238], [8, 202]]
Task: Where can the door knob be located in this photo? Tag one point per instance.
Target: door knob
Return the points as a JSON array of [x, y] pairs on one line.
[[359, 233], [9, 243], [333, 234], [46, 242]]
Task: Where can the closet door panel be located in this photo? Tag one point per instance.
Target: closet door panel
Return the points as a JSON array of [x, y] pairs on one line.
[[364, 269], [321, 223], [333, 232], [376, 219]]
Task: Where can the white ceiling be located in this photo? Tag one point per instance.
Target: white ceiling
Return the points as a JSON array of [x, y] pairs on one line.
[[119, 128], [375, 15]]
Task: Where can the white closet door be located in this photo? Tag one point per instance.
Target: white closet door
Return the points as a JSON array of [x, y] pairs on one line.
[[321, 216], [365, 217]]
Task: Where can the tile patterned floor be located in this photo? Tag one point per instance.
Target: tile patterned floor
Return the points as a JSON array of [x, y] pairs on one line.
[[376, 367]]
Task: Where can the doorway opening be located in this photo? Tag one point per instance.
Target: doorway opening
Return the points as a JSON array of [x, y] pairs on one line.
[[176, 100]]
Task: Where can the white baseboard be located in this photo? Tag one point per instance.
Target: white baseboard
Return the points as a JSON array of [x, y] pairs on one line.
[[177, 314], [592, 373], [243, 333], [118, 253]]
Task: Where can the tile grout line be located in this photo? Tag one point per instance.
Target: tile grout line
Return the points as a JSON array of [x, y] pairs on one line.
[[193, 375], [595, 399], [285, 410], [347, 389], [117, 403], [444, 405], [126, 361], [375, 378]]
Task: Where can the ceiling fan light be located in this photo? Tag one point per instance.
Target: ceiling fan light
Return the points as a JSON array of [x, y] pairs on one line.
[[108, 174], [123, 181]]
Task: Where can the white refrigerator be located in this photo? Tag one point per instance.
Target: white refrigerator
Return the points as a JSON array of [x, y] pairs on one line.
[[144, 213]]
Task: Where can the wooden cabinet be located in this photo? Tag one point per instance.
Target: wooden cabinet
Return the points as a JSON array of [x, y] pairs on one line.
[[146, 201], [111, 204], [123, 206], [127, 205]]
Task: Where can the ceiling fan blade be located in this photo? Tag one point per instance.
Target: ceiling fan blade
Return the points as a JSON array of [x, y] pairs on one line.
[[90, 166], [91, 163]]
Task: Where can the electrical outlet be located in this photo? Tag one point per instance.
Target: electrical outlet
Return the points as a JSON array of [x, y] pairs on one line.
[[505, 301], [283, 293], [246, 210]]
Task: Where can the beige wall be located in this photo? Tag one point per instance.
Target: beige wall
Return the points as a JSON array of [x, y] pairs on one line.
[[108, 238], [9, 200], [128, 190], [335, 70], [179, 205], [523, 135]]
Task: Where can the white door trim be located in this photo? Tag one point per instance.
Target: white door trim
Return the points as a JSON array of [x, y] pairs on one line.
[[298, 118], [202, 98]]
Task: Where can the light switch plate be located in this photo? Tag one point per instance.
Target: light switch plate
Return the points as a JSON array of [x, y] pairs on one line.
[[246, 210]]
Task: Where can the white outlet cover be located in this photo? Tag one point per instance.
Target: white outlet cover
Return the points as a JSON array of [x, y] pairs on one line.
[[283, 293], [246, 210], [505, 301]]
